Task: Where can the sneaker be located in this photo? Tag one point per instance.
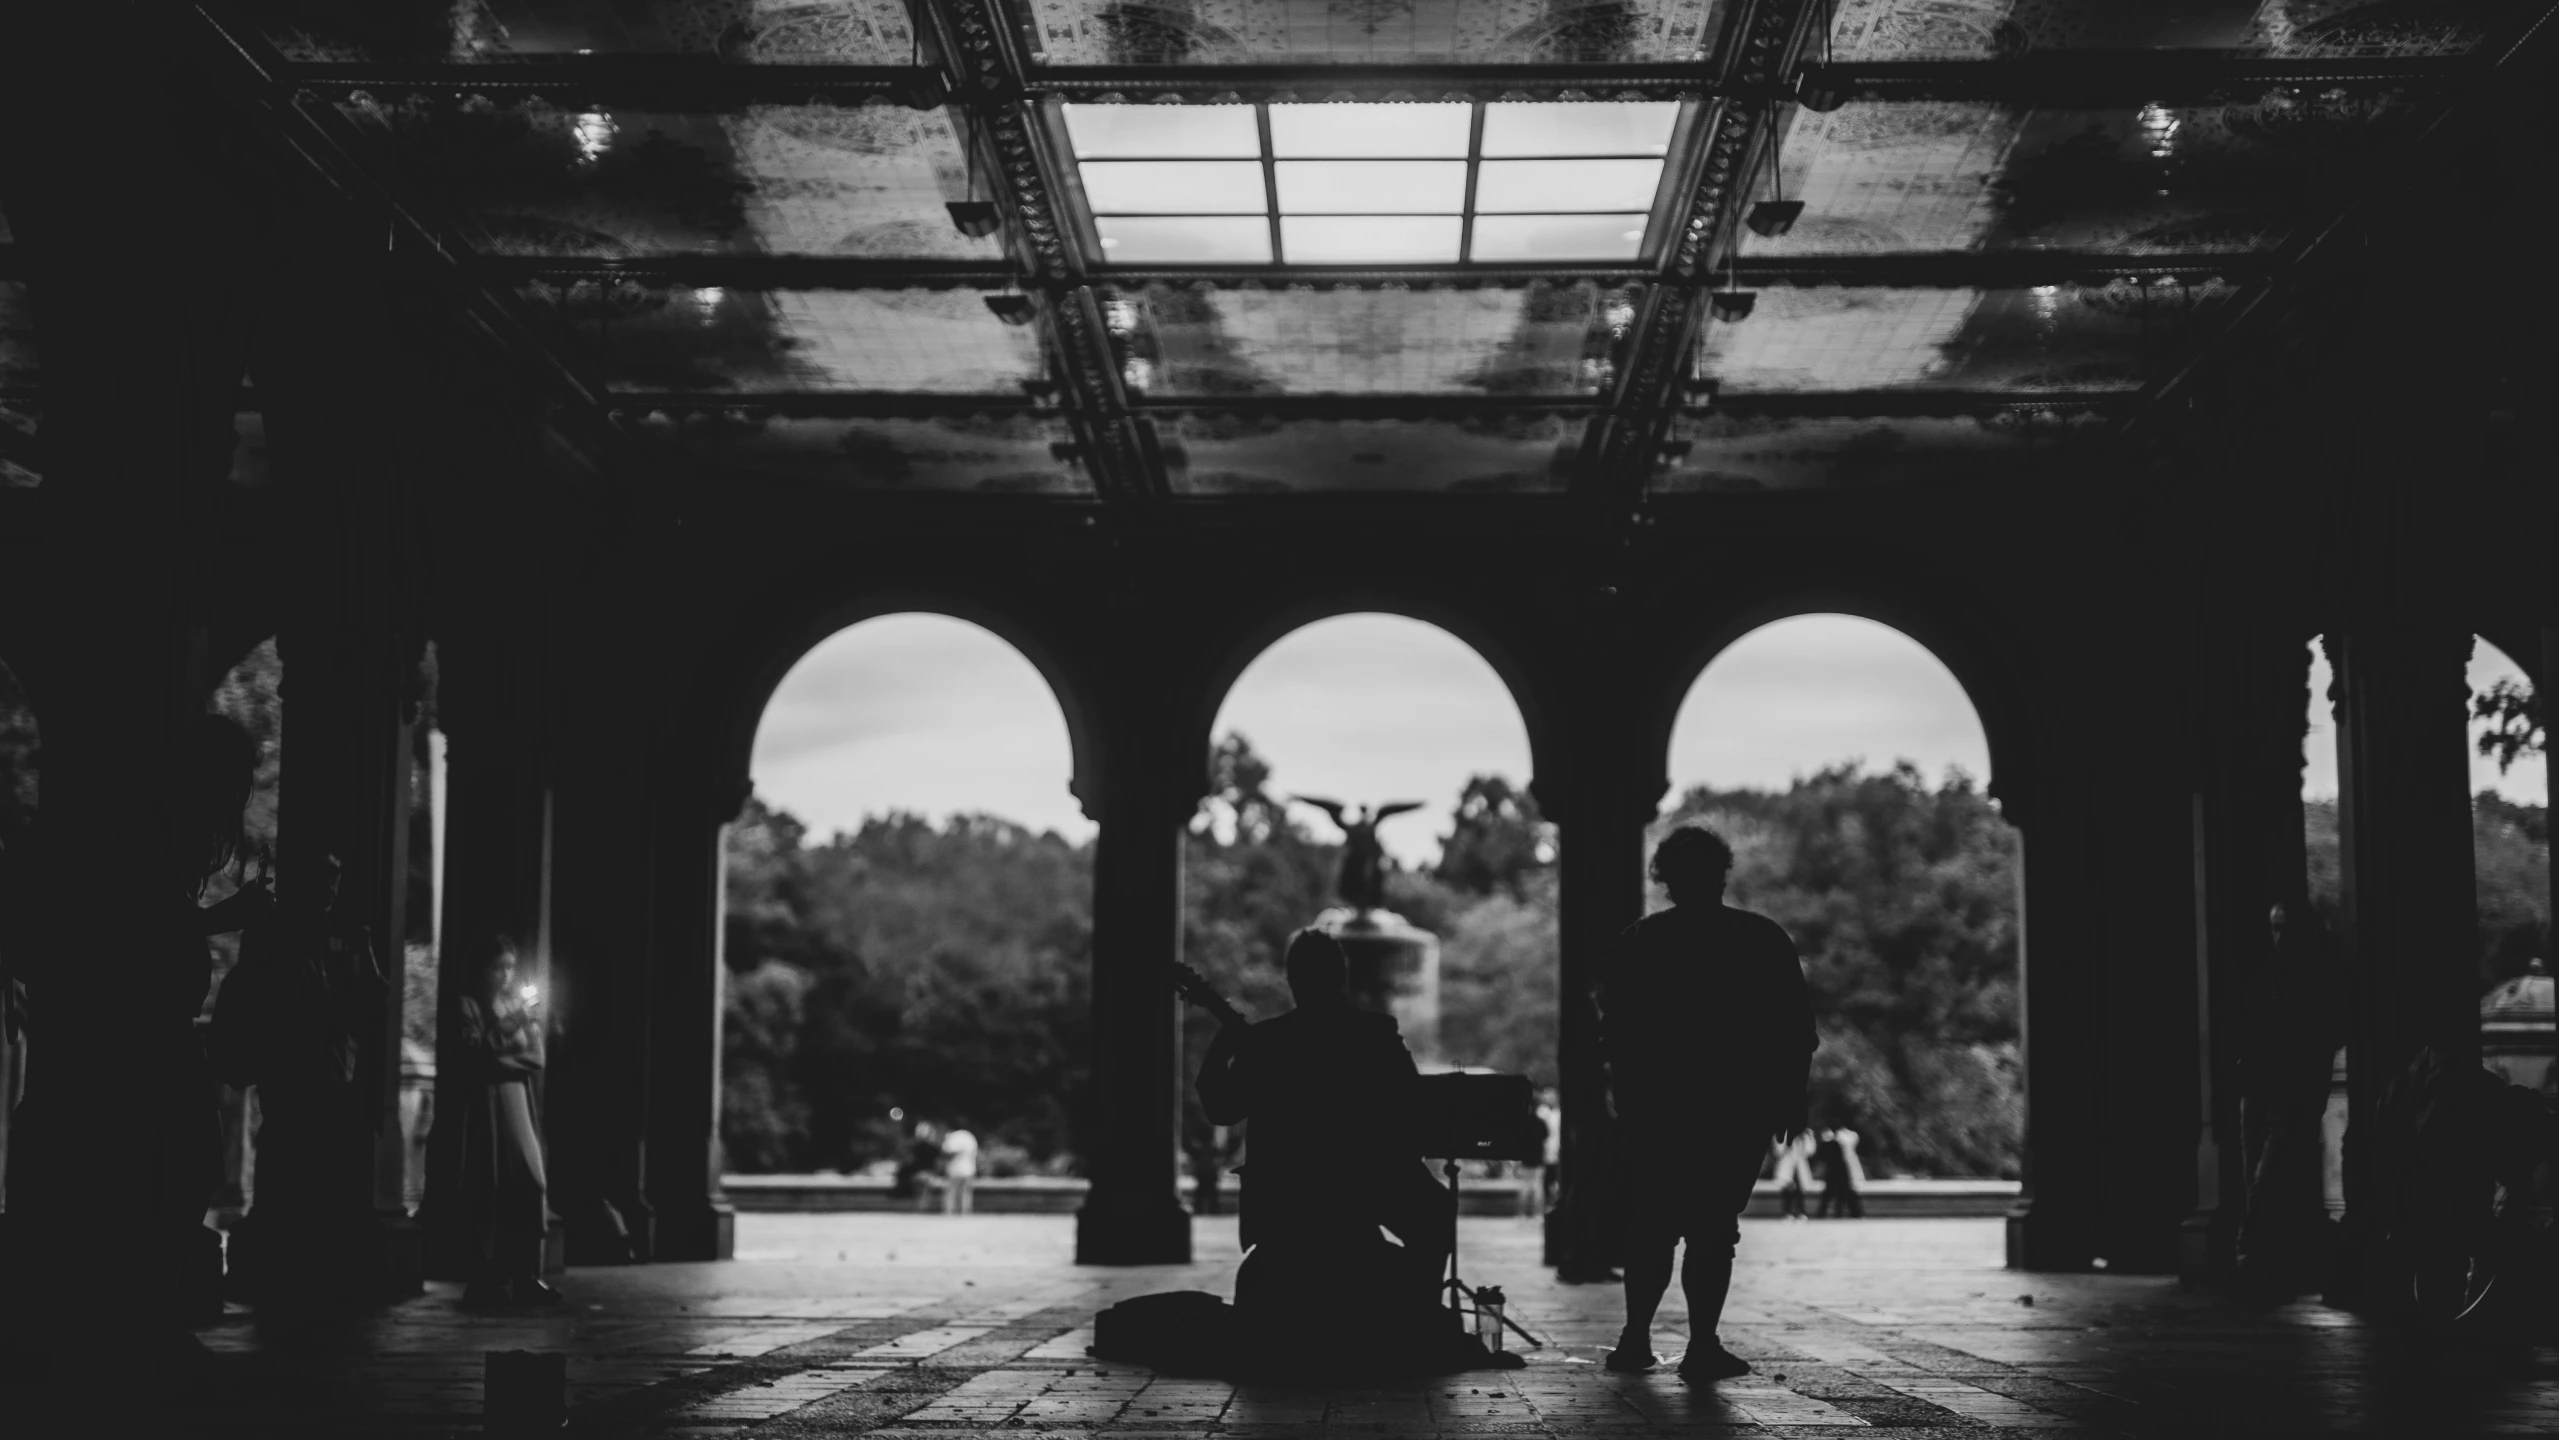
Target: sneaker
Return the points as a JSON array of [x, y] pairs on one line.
[[1632, 1356], [1705, 1364]]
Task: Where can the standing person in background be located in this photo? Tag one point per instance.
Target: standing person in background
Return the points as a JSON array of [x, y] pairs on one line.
[[1708, 1035], [505, 1190], [1794, 1173], [959, 1171], [1842, 1176], [1541, 1177]]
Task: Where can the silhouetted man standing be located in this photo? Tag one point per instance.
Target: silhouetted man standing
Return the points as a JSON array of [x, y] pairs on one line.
[[1709, 1039]]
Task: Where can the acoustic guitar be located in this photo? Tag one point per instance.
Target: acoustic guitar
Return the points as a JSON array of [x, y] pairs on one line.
[[1191, 985]]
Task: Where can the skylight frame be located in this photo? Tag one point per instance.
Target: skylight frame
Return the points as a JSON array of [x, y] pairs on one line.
[[1655, 221]]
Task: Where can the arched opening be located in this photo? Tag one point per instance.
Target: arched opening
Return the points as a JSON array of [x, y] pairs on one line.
[[909, 916], [1844, 763], [1369, 710]]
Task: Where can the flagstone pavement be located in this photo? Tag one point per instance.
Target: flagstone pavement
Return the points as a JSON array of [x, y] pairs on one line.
[[921, 1327]]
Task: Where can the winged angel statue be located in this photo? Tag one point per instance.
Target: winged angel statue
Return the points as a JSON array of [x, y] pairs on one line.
[[1362, 884]]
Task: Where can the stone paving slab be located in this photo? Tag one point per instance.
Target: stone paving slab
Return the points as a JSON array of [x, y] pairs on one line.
[[925, 1326]]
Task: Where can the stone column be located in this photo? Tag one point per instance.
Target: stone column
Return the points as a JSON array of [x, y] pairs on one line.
[[331, 370], [1609, 790], [2056, 1218], [2410, 913], [690, 1215], [2249, 736], [1150, 780], [599, 1084], [143, 353], [497, 863]]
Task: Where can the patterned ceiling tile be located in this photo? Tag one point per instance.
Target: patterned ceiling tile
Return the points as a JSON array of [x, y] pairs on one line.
[[1538, 340], [2307, 29], [1729, 454], [2051, 338], [1886, 177], [531, 178], [712, 341], [766, 32], [1243, 455], [1372, 32], [1011, 454]]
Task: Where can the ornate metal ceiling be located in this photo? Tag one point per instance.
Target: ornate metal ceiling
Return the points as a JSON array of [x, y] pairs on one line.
[[848, 244]]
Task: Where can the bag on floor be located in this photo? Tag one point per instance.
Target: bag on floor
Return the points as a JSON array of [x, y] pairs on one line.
[[1180, 1331]]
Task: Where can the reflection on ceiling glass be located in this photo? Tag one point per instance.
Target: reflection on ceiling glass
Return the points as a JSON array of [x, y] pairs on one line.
[[711, 340], [2307, 29], [762, 32], [1372, 184], [1519, 453], [1370, 32], [535, 179], [17, 337], [1729, 454], [1008, 453], [2047, 338], [1539, 340], [1936, 176]]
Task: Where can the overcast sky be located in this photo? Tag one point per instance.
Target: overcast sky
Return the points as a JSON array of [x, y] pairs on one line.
[[933, 715]]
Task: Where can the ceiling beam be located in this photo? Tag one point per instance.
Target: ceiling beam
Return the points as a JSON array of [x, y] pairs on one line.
[[981, 55], [1715, 176], [2075, 79], [2114, 79], [1797, 403], [1960, 269], [671, 83]]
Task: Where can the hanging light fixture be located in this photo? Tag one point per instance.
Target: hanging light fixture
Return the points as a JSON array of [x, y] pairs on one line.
[[1013, 309], [1775, 215]]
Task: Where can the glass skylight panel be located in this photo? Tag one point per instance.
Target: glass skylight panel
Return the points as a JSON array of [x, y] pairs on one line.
[[1371, 187], [1185, 239], [1165, 132], [1175, 187], [1372, 184], [1378, 131], [1535, 238], [1516, 186], [1370, 239], [1589, 127]]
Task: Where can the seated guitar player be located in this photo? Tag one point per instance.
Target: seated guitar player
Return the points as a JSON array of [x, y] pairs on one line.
[[1326, 1093]]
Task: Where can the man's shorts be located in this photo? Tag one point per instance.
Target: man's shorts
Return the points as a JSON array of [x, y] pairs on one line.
[[1694, 1188]]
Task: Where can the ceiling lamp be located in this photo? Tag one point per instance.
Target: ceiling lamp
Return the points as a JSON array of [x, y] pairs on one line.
[[1013, 309], [976, 219], [1769, 219], [1732, 306]]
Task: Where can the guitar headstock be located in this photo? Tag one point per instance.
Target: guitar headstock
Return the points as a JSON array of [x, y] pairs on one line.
[[1191, 985]]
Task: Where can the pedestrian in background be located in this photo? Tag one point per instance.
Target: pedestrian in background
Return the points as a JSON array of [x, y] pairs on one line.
[[959, 1171], [1842, 1176]]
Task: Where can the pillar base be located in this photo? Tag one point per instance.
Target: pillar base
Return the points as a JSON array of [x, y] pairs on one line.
[[2041, 1239], [1124, 1234], [2208, 1248], [704, 1229]]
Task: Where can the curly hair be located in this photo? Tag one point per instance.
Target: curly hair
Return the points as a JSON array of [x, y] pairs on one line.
[[1692, 852], [1316, 961]]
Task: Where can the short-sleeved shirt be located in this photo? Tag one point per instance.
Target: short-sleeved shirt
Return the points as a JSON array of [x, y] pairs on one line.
[[959, 1155], [1704, 1016]]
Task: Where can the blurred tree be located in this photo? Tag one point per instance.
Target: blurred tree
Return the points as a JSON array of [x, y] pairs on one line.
[[1903, 901], [1498, 839]]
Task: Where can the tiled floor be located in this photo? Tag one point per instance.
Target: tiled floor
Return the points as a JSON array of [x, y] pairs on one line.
[[917, 1326]]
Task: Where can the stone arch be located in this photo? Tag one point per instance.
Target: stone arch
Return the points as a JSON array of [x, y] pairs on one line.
[[1985, 672], [1234, 652], [770, 656]]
